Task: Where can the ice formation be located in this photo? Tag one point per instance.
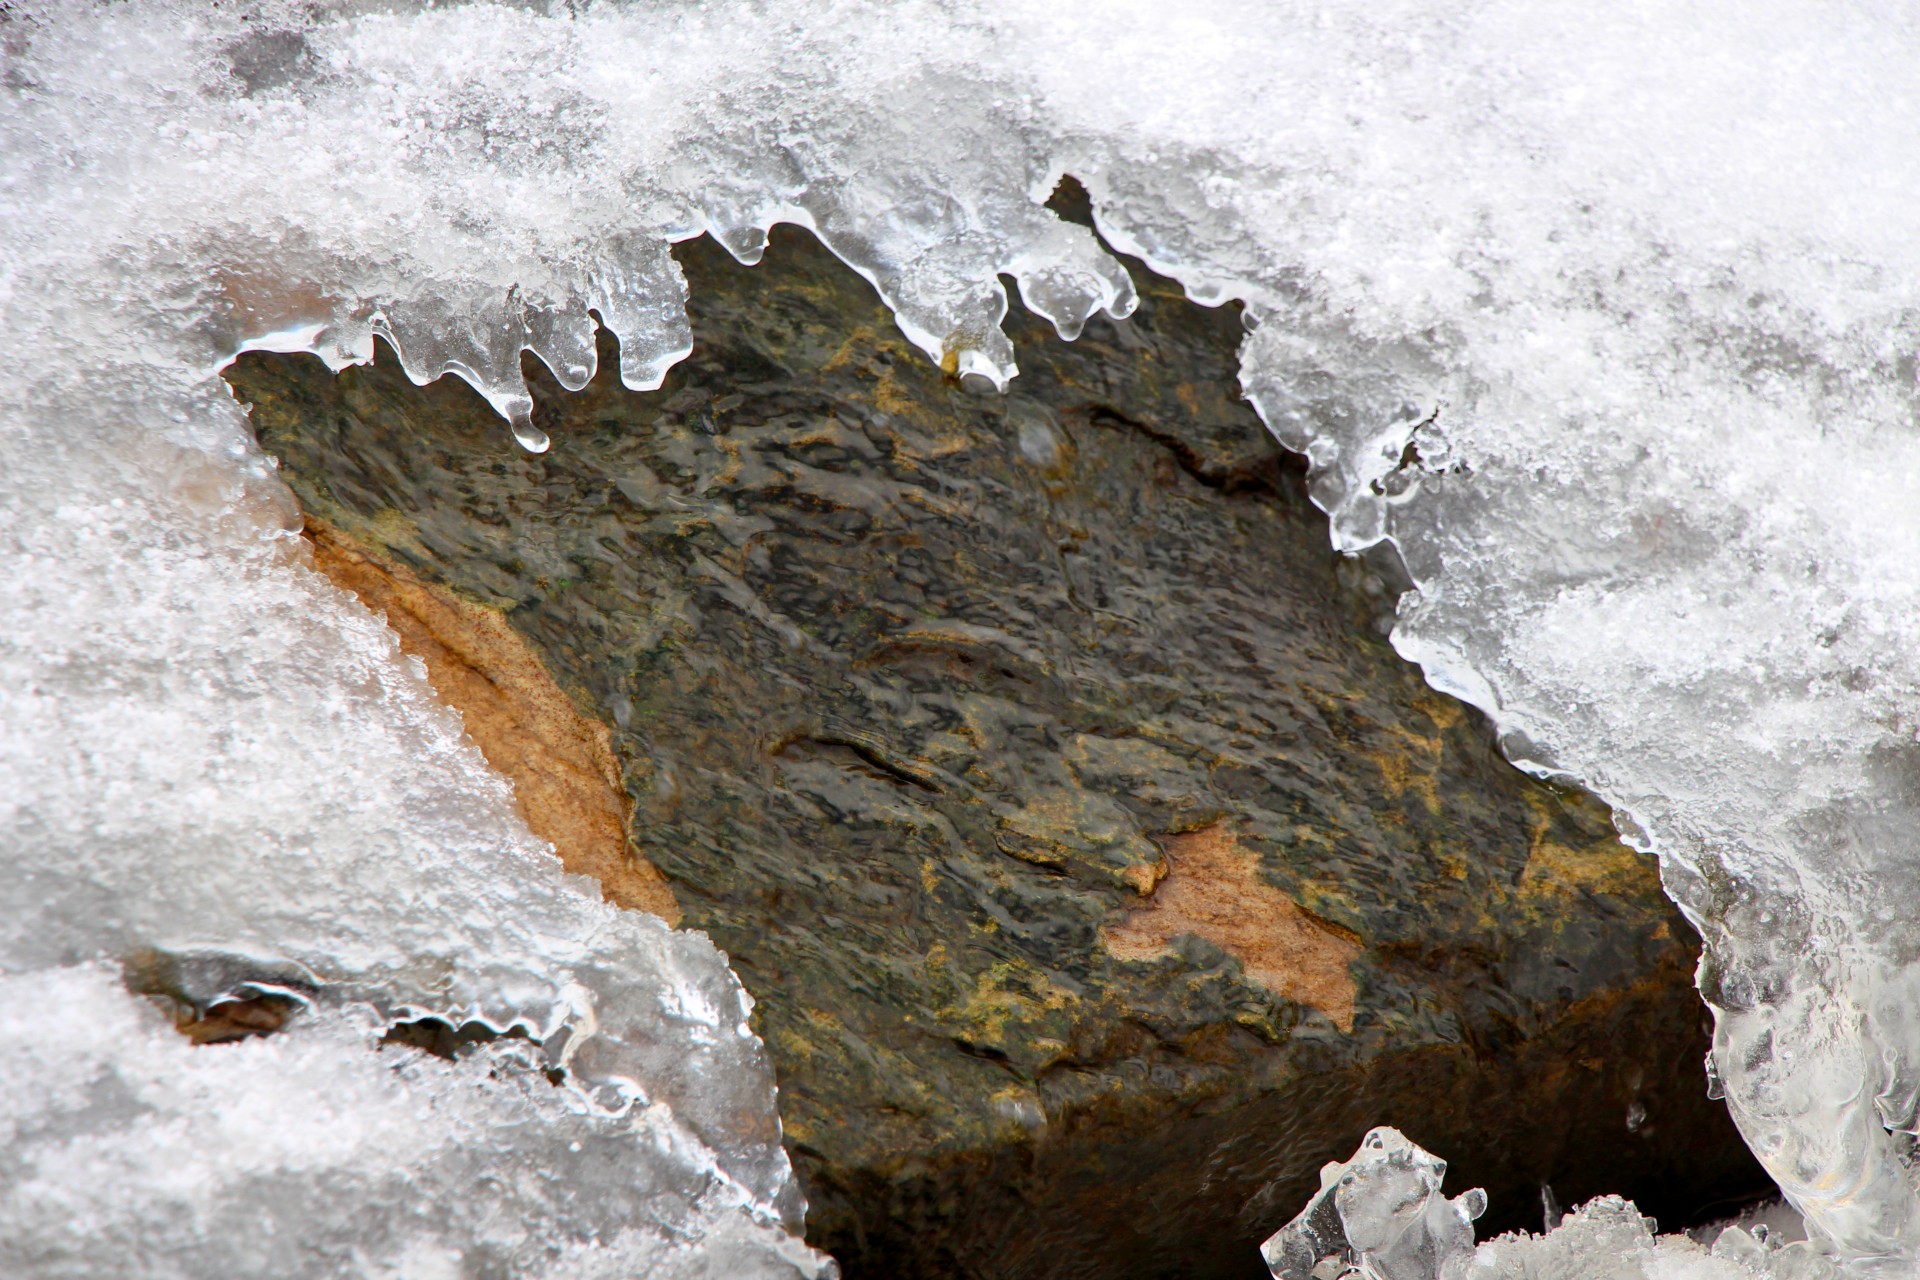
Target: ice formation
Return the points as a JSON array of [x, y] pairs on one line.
[[1380, 1216], [1605, 316], [220, 779]]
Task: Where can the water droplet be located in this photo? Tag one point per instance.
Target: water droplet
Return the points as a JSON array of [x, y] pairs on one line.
[[531, 438]]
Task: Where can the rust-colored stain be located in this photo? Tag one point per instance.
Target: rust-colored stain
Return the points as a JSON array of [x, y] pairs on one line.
[[1214, 890], [566, 780]]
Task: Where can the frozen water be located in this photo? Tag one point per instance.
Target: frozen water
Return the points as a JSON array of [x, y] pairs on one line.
[[1381, 1216], [1605, 316], [219, 776]]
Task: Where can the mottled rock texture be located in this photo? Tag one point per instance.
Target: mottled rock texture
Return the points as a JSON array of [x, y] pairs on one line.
[[1098, 869]]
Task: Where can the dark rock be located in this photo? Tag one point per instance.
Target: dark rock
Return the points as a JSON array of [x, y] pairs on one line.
[[1098, 869]]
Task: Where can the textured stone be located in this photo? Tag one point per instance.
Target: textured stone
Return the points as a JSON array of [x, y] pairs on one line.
[[1214, 890], [566, 780], [1098, 869]]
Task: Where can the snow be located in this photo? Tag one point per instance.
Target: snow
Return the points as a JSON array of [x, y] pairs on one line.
[[1606, 317]]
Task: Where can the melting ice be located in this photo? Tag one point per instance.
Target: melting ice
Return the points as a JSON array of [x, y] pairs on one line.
[[1606, 317]]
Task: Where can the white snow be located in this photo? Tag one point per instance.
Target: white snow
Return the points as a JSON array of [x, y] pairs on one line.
[[1605, 315]]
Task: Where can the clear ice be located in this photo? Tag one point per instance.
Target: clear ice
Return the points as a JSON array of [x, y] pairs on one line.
[[1381, 1216], [1605, 317]]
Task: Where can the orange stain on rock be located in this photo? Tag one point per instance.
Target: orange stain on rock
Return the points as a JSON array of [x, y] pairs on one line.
[[1214, 890], [566, 779]]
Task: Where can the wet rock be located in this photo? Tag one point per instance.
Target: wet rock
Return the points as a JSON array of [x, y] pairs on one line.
[[208, 1000], [1098, 869], [566, 780]]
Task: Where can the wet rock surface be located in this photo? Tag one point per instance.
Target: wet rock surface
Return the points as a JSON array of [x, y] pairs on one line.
[[1098, 869]]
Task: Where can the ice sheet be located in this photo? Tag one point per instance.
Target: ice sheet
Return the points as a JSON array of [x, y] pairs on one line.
[[1605, 316]]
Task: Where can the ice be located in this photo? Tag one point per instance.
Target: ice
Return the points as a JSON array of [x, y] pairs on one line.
[[1606, 317], [136, 1152], [1381, 1216], [221, 777]]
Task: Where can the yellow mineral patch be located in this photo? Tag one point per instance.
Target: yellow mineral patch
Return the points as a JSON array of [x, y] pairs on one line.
[[1144, 877], [858, 343], [565, 777], [1603, 865], [1214, 890]]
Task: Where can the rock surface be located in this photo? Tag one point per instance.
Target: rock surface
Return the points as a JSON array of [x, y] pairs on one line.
[[1098, 869], [565, 776]]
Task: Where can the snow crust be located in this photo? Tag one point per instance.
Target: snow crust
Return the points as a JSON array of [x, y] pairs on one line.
[[1606, 316]]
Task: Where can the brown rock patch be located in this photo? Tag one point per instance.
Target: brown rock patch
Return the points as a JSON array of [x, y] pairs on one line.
[[1214, 890], [566, 780]]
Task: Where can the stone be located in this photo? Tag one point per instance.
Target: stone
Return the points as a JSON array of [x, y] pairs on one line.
[[1098, 869], [1221, 896], [566, 779]]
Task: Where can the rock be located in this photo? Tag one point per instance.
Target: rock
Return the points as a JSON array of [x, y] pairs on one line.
[[1097, 867], [1220, 895], [566, 779]]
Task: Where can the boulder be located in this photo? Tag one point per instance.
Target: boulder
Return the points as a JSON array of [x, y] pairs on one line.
[[1098, 868]]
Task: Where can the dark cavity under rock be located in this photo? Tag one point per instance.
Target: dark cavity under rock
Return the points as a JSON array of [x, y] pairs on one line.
[[1098, 869]]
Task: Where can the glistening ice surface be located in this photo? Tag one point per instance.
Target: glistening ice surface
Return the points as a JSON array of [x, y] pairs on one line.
[[1381, 1216], [1605, 315], [218, 776]]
